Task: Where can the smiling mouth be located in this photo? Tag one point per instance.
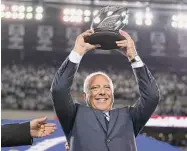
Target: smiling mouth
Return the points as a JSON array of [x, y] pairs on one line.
[[101, 100]]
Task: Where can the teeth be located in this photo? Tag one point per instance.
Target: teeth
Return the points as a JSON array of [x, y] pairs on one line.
[[102, 99]]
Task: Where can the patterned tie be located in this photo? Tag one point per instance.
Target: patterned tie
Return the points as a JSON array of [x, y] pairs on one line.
[[106, 119]]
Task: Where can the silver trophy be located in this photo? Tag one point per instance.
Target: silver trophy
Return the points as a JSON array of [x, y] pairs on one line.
[[106, 25]]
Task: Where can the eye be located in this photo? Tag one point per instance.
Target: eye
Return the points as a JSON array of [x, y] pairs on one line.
[[107, 87], [94, 87]]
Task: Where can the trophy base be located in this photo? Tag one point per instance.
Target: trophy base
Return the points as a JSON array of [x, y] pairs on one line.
[[107, 39]]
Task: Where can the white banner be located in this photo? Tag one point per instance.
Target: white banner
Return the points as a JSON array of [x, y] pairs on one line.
[[71, 35], [158, 41], [182, 41], [44, 34], [16, 34]]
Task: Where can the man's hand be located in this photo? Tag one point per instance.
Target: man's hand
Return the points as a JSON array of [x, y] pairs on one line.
[[130, 51], [81, 47], [38, 127]]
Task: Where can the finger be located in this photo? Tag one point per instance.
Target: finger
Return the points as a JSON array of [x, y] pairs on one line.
[[125, 34], [122, 45], [121, 42], [45, 133], [50, 125], [50, 128], [42, 120], [40, 134], [48, 132], [88, 32], [42, 126], [91, 47]]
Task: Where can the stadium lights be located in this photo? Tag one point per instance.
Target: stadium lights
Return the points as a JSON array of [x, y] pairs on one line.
[[139, 18], [8, 15], [21, 12], [21, 8], [2, 14], [87, 13], [29, 9], [39, 9], [80, 12], [21, 15], [3, 7], [95, 12], [14, 15], [73, 15], [86, 19], [144, 18], [179, 21], [39, 13], [29, 15], [97, 20], [14, 8], [38, 16]]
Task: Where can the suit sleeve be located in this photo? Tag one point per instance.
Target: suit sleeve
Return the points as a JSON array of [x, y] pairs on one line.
[[64, 105], [148, 101], [16, 135]]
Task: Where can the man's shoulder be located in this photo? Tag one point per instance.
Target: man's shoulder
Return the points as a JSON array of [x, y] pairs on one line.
[[124, 108], [82, 106]]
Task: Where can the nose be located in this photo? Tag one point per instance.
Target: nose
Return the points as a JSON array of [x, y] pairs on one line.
[[102, 91]]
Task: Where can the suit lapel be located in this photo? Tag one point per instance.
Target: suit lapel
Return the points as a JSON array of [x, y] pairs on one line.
[[113, 118], [100, 117]]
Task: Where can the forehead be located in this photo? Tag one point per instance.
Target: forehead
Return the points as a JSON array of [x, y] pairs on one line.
[[99, 79]]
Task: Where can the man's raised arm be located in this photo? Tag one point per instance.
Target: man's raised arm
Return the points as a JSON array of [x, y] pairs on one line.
[[64, 106], [148, 101], [149, 93], [62, 100]]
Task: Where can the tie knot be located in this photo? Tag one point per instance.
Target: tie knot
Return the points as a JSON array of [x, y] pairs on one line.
[[107, 116]]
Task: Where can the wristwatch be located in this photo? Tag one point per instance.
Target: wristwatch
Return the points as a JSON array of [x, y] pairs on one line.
[[136, 59]]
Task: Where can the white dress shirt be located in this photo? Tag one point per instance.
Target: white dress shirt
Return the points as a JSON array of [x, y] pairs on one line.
[[76, 58]]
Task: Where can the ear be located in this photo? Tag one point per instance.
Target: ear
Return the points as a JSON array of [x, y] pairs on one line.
[[84, 96]]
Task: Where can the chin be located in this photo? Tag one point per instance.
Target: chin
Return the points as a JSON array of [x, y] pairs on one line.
[[102, 108]]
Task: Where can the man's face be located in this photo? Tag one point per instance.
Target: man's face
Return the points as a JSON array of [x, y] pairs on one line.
[[100, 93]]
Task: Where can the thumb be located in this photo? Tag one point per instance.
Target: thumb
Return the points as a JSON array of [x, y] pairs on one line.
[[125, 34], [96, 46], [42, 120]]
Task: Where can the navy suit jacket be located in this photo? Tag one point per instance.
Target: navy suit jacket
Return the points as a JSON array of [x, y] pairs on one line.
[[85, 127], [16, 134]]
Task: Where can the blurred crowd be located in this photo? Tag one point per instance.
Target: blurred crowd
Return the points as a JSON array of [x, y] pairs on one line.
[[28, 87]]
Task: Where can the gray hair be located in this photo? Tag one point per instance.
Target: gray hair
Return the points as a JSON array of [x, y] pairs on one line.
[[87, 80]]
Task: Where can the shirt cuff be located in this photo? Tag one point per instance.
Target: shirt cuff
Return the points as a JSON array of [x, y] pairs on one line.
[[137, 64], [75, 57]]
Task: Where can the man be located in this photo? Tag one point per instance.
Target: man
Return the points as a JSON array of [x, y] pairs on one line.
[[98, 127], [22, 133]]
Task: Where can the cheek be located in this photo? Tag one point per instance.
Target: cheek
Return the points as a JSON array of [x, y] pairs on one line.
[[109, 93]]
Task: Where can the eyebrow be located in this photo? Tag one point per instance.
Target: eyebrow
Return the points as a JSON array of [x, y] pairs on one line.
[[94, 86]]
